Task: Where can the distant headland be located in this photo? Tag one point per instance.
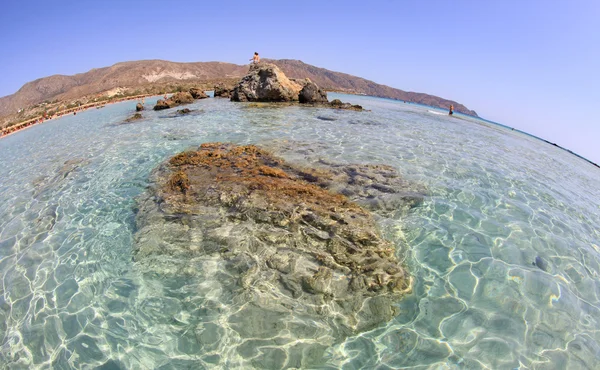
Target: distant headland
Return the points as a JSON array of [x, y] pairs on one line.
[[125, 80]]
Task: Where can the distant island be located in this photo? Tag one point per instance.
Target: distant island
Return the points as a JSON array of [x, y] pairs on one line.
[[55, 95]]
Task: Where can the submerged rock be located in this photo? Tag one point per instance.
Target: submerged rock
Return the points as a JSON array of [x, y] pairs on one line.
[[325, 118], [541, 263], [295, 240], [265, 82], [135, 117], [183, 112]]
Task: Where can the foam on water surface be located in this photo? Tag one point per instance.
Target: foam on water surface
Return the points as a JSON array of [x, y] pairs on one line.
[[503, 251]]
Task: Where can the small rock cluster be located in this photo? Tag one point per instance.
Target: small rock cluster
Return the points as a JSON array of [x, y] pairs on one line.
[[180, 98]]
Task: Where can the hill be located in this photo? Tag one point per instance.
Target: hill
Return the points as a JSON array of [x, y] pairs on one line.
[[150, 72]]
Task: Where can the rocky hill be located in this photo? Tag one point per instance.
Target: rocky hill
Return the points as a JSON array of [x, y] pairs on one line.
[[149, 72]]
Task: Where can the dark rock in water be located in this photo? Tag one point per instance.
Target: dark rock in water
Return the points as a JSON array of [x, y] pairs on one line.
[[197, 93], [311, 93], [183, 112], [541, 263], [177, 99], [265, 82], [139, 107], [222, 91], [44, 185], [135, 117], [161, 104], [295, 239], [324, 118], [364, 122]]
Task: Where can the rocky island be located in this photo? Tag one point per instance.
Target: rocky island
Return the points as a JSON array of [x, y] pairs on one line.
[[265, 82]]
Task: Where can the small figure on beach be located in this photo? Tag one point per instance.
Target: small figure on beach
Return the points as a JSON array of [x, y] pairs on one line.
[[451, 112], [255, 59]]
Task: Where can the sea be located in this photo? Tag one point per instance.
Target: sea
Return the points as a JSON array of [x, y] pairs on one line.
[[504, 249]]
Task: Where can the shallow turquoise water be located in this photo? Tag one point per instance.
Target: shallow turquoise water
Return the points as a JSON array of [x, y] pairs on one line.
[[71, 296]]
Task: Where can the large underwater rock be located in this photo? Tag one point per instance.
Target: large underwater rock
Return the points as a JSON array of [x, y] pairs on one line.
[[294, 250], [266, 82]]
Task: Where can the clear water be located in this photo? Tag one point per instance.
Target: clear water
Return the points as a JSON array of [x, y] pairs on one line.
[[71, 296]]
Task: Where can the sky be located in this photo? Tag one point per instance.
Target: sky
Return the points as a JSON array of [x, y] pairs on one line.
[[532, 65]]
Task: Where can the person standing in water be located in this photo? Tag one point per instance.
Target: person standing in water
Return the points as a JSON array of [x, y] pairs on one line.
[[255, 59], [451, 112]]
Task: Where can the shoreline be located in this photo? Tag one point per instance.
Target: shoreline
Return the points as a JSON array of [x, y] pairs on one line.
[[40, 119]]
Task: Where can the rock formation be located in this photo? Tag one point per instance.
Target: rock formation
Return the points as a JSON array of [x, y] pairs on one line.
[[222, 91], [161, 104], [174, 101], [139, 107], [135, 117], [295, 239], [197, 93], [338, 104], [311, 93], [265, 82], [184, 111]]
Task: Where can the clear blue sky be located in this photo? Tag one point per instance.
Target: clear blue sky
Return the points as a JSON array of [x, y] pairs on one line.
[[533, 65]]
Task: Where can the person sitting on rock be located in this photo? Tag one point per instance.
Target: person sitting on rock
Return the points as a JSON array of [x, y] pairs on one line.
[[255, 59]]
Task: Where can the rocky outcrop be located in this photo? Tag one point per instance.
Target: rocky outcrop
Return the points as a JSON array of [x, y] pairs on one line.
[[197, 93], [184, 111], [181, 98], [161, 104], [139, 107], [135, 117], [311, 93], [294, 240], [338, 104], [222, 91], [265, 82], [174, 101]]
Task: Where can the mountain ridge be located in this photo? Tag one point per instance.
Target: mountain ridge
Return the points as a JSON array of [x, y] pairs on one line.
[[132, 74]]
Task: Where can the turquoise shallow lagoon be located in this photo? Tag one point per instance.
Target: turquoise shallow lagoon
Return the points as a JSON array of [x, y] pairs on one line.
[[497, 200]]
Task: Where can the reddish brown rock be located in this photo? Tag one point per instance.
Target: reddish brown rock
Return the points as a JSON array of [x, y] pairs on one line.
[[197, 93], [175, 100]]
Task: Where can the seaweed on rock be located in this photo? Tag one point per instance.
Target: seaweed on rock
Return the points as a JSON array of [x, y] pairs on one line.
[[294, 246]]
